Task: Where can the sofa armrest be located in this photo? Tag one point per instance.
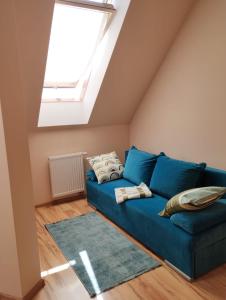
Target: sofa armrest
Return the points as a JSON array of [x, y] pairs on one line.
[[198, 221], [90, 175]]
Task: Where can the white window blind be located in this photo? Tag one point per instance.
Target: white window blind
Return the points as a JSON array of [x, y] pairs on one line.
[[78, 28]]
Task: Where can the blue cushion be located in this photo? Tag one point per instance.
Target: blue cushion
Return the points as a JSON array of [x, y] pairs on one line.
[[195, 222], [172, 176], [139, 166], [214, 176], [127, 151]]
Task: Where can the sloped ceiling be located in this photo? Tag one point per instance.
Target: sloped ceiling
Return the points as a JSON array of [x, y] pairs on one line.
[[147, 33], [33, 28]]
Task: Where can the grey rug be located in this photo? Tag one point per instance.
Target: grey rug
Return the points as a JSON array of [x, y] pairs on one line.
[[100, 255]]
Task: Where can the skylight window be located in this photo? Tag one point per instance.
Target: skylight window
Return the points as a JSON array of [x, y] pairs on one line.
[[83, 37], [78, 28]]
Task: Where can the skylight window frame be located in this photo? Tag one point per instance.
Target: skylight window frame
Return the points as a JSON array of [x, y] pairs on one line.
[[92, 5], [106, 7]]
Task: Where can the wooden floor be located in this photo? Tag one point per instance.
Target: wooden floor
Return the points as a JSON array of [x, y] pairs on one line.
[[161, 283]]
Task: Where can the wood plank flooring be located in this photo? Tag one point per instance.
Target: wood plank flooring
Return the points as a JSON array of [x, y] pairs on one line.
[[158, 284]]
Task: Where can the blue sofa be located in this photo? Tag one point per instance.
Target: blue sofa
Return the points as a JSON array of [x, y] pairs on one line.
[[192, 243]]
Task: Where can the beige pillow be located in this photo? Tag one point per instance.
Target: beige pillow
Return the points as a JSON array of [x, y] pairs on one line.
[[194, 199], [107, 166], [132, 192]]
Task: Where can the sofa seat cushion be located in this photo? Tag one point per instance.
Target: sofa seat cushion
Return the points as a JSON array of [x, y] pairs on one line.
[[109, 187], [195, 222], [139, 217]]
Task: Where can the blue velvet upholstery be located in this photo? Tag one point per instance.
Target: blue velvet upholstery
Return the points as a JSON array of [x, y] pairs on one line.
[[139, 166], [90, 175], [194, 254], [195, 222], [214, 176], [172, 176], [127, 151], [139, 217]]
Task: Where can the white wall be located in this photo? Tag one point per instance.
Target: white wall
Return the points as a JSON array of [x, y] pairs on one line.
[[14, 117], [9, 268], [183, 111], [46, 142]]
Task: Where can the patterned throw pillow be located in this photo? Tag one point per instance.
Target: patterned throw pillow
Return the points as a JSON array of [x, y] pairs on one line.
[[125, 193], [107, 166], [194, 199]]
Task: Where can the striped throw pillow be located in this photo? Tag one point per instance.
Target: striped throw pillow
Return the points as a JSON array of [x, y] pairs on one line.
[[125, 193], [193, 199]]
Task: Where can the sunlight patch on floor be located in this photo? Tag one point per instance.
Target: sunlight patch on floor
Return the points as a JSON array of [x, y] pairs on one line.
[[89, 269], [58, 268]]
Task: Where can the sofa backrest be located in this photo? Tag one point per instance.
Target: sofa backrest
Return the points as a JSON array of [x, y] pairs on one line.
[[212, 176]]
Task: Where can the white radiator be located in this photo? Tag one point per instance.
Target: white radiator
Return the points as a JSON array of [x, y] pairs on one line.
[[66, 175]]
